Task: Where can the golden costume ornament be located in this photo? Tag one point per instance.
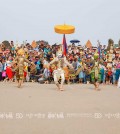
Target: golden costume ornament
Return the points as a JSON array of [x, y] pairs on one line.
[[58, 73], [19, 60]]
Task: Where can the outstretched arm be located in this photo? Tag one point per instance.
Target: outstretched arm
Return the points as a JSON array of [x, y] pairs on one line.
[[53, 61], [31, 63], [14, 60], [26, 60], [68, 64]]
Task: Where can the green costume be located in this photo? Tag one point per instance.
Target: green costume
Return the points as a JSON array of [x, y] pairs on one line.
[[95, 74]]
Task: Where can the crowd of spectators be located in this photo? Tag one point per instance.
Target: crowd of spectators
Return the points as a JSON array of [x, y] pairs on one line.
[[77, 55]]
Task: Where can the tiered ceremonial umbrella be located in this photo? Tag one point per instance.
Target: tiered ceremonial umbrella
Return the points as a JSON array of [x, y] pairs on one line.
[[64, 29]]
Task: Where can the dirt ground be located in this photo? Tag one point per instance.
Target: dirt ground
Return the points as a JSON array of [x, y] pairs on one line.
[[41, 109]]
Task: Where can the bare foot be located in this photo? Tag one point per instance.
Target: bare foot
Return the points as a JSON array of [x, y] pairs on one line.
[[58, 87], [45, 82], [32, 81], [61, 89], [19, 85], [97, 89]]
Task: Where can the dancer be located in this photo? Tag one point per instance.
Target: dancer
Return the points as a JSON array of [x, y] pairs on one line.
[[20, 59], [58, 73], [95, 74]]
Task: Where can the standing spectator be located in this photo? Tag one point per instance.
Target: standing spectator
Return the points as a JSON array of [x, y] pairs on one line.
[[80, 70], [37, 63], [102, 72], [4, 68], [114, 73], [1, 68], [109, 75], [117, 70]]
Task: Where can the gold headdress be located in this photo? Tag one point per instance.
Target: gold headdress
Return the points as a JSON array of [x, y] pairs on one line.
[[96, 55], [59, 52], [21, 51]]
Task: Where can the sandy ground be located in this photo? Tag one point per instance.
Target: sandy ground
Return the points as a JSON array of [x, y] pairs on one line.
[[41, 109]]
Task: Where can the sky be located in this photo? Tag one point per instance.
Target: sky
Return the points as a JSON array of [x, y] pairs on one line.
[[30, 20]]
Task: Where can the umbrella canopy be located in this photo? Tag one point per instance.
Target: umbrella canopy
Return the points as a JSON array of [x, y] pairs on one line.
[[75, 41], [64, 29]]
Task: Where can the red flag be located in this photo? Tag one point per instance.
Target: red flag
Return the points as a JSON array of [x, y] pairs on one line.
[[64, 45]]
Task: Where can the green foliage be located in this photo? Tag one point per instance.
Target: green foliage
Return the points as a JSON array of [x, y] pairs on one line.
[[110, 42], [6, 44], [119, 44]]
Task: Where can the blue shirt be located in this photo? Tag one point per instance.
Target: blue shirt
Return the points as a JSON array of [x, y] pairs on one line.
[[38, 64]]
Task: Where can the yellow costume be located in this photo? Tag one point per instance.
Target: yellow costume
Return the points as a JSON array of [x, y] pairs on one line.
[[20, 59]]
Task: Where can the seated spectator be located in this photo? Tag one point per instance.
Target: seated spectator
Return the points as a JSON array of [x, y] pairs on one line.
[[45, 76]]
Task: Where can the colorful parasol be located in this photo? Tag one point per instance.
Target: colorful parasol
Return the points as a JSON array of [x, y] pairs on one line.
[[64, 29], [75, 41]]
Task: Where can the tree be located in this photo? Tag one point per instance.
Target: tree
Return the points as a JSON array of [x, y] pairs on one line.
[[110, 42], [6, 44], [119, 43]]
